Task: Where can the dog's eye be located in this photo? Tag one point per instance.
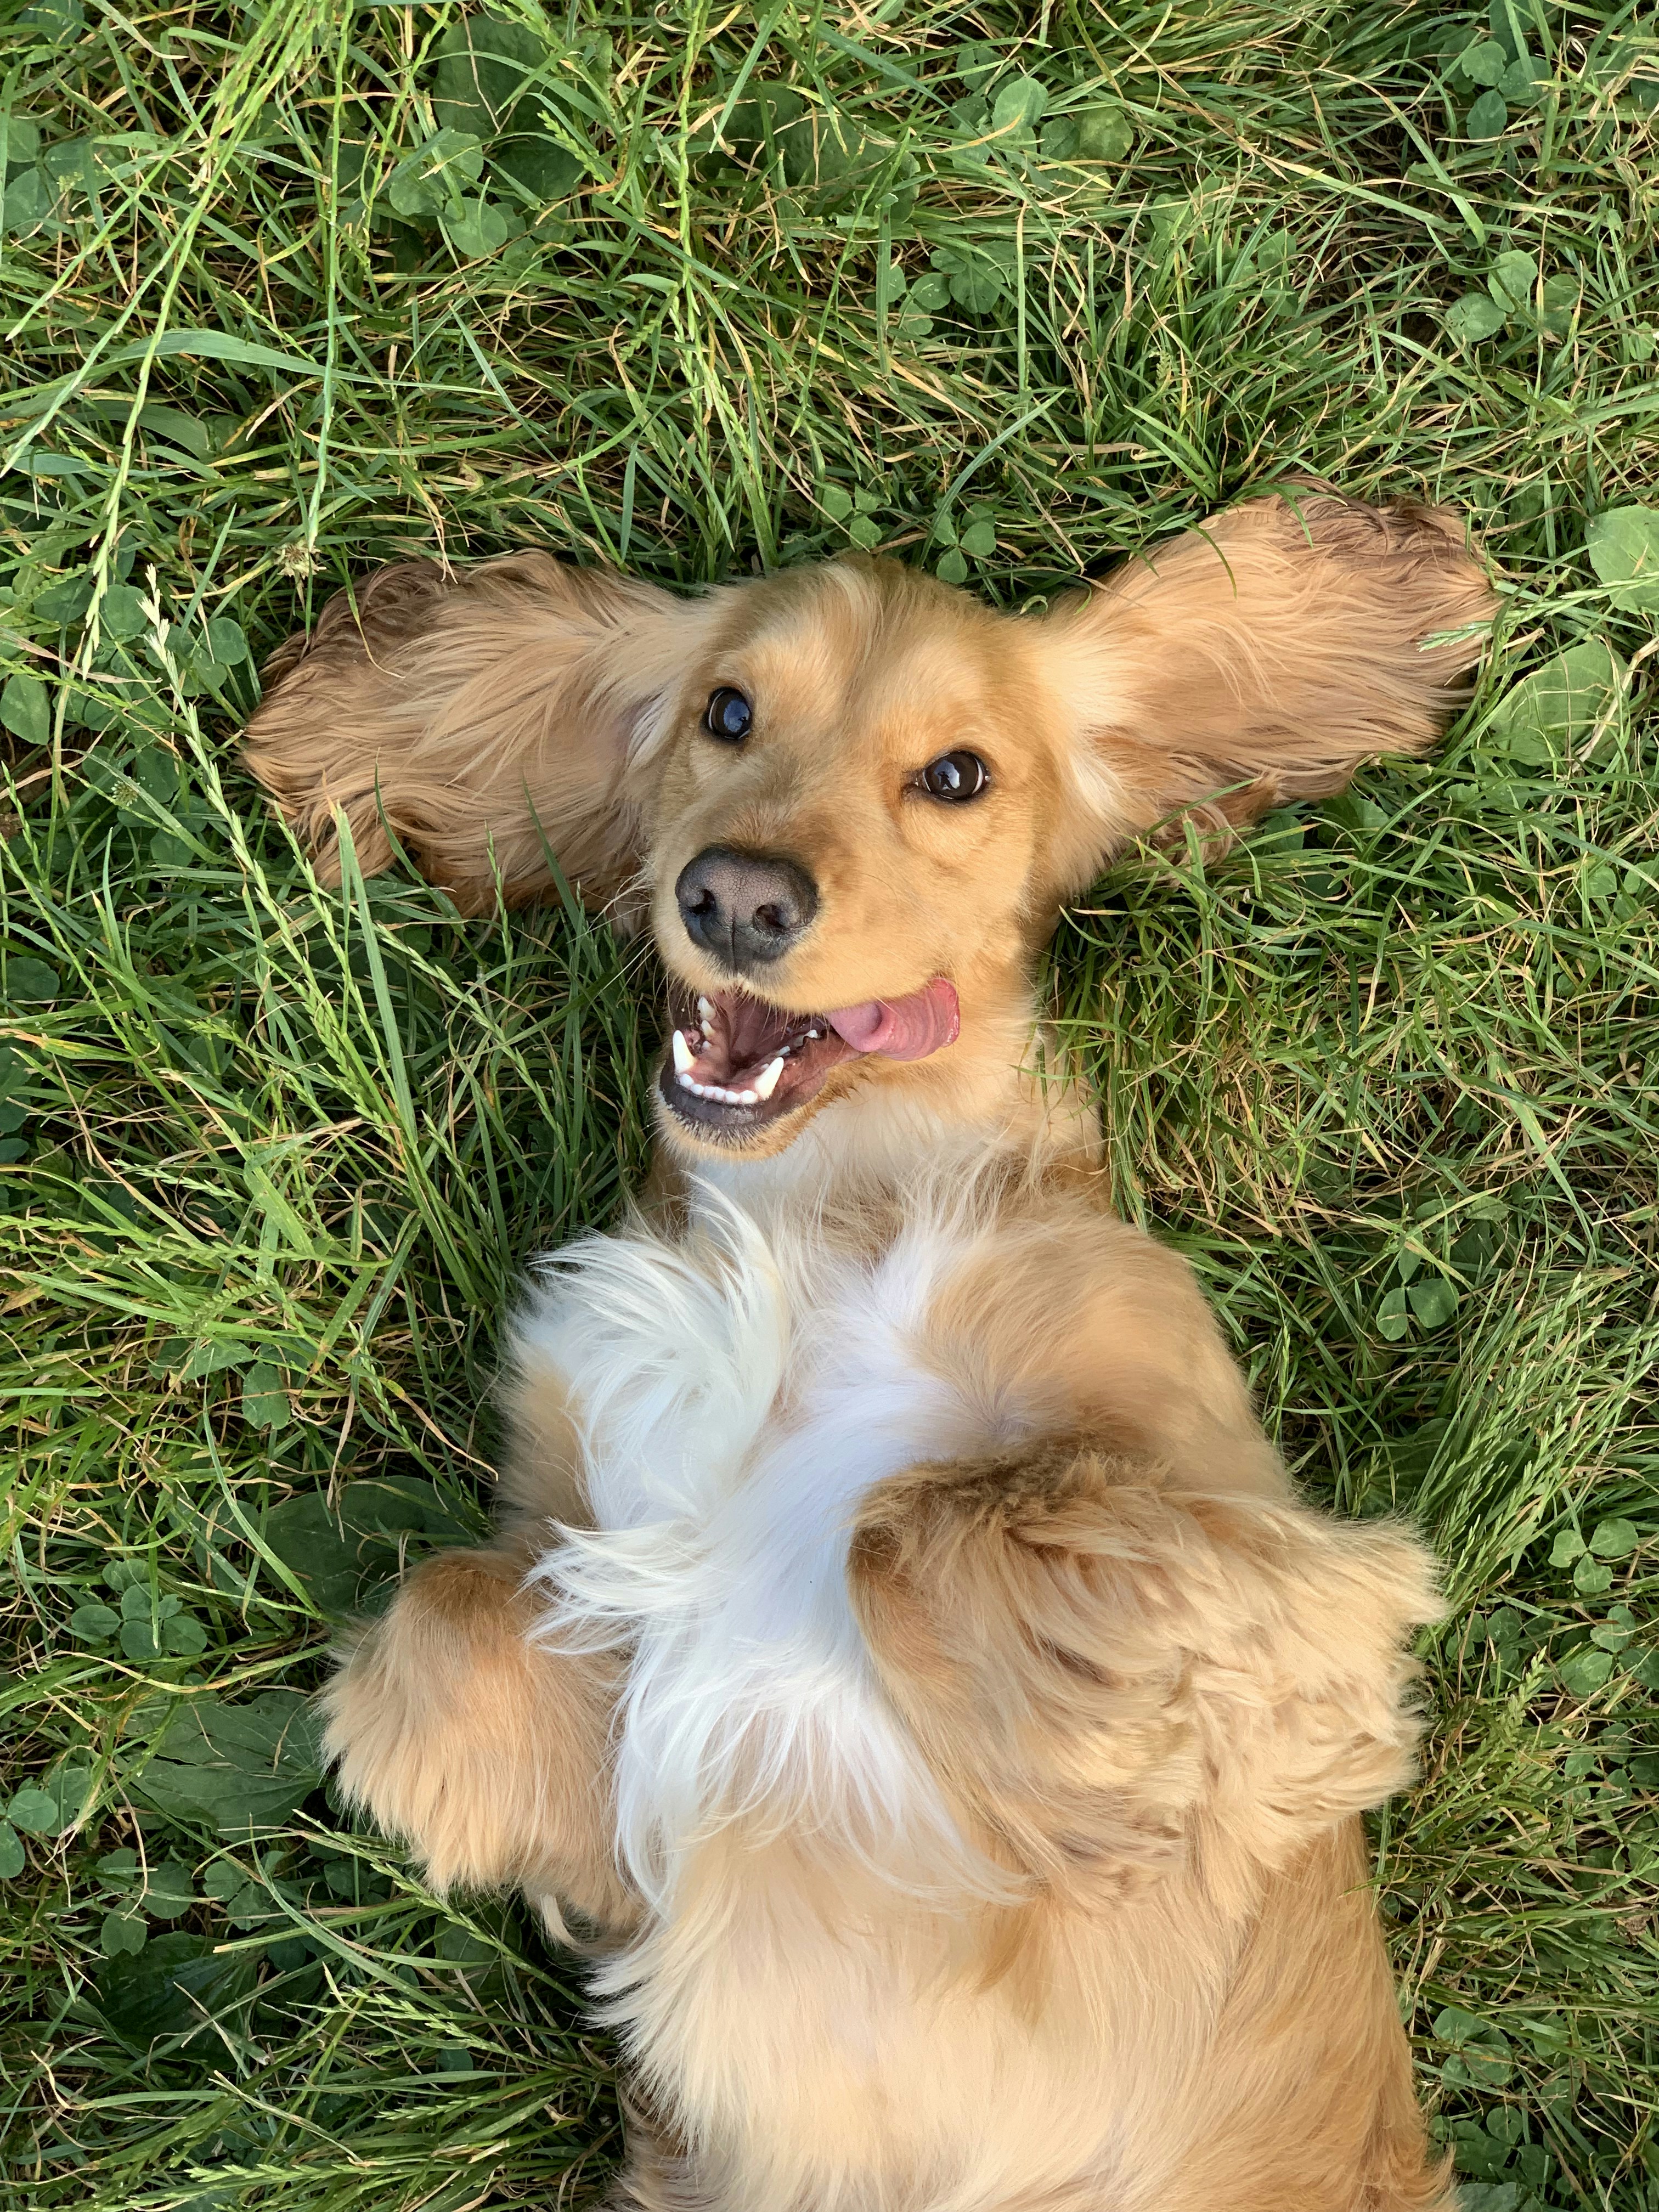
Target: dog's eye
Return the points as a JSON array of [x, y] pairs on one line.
[[727, 716], [955, 776]]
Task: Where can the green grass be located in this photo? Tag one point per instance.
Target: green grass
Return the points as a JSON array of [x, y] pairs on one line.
[[273, 1157]]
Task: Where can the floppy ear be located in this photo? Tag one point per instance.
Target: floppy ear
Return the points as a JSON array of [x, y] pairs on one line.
[[1111, 1674], [481, 719], [1262, 658]]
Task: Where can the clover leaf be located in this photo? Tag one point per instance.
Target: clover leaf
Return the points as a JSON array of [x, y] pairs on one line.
[[1510, 281], [25, 709], [1474, 319], [476, 229], [1559, 303], [121, 1935], [1104, 133], [1614, 1539], [1018, 108], [34, 1810], [226, 642], [1480, 2051], [122, 613], [1433, 1301], [168, 1890], [427, 182], [265, 1403], [1484, 63], [1623, 545], [1584, 1672], [976, 281], [1560, 702]]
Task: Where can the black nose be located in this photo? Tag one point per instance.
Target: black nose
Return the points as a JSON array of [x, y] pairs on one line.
[[746, 908]]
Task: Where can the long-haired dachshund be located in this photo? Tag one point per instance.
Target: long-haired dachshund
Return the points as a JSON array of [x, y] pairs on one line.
[[902, 1652]]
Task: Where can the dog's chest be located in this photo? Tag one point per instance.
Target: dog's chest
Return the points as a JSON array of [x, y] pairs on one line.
[[739, 1393]]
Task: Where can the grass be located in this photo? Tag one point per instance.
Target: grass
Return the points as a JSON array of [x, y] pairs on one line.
[[1008, 289]]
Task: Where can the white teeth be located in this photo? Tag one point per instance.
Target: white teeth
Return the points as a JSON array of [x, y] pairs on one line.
[[717, 1091], [687, 1045]]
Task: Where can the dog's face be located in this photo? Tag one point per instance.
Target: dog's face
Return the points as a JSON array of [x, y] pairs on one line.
[[854, 796], [852, 843]]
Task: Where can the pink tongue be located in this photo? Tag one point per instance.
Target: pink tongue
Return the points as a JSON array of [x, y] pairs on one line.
[[902, 1029]]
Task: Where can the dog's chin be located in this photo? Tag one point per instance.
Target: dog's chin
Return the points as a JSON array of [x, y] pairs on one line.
[[742, 1075]]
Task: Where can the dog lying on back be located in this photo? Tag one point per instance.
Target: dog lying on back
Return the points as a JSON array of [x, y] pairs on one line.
[[900, 1642]]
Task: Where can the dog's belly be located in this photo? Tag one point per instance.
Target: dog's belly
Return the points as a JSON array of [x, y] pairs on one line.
[[818, 2044], [797, 1999], [802, 1999]]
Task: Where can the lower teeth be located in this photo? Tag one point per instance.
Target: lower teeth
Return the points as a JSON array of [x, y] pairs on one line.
[[687, 1047], [718, 1091]]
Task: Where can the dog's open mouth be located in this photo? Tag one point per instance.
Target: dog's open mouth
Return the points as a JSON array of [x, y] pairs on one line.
[[735, 1063]]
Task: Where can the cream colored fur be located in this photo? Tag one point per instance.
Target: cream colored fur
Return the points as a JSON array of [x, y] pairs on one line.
[[902, 1643]]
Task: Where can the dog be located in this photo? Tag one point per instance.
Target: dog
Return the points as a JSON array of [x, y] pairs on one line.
[[901, 1661]]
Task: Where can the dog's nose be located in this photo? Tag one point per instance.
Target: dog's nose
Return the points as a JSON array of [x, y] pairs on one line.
[[746, 908]]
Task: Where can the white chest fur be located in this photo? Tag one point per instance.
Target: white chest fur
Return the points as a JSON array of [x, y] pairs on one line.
[[738, 1392]]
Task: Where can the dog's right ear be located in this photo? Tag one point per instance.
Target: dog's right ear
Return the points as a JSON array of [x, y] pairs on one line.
[[482, 720]]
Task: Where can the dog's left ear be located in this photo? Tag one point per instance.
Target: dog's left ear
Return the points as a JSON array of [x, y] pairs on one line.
[[1259, 659]]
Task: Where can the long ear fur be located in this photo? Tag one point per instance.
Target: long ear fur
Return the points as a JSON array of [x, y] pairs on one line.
[[1262, 658], [482, 720], [1111, 1674]]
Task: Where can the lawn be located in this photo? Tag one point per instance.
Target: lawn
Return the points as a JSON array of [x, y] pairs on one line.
[[289, 290]]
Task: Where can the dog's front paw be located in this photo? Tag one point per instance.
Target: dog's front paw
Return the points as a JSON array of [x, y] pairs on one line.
[[481, 1749]]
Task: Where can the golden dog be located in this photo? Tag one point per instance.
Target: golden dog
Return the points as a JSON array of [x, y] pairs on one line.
[[901, 1647]]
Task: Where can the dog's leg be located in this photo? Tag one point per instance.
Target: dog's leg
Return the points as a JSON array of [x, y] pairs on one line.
[[1162, 1709], [485, 1750], [1313, 2104]]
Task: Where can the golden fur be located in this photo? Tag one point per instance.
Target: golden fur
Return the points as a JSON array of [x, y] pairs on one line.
[[1046, 1893]]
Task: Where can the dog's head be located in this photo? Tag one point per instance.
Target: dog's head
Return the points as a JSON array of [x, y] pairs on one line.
[[851, 840], [850, 797]]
